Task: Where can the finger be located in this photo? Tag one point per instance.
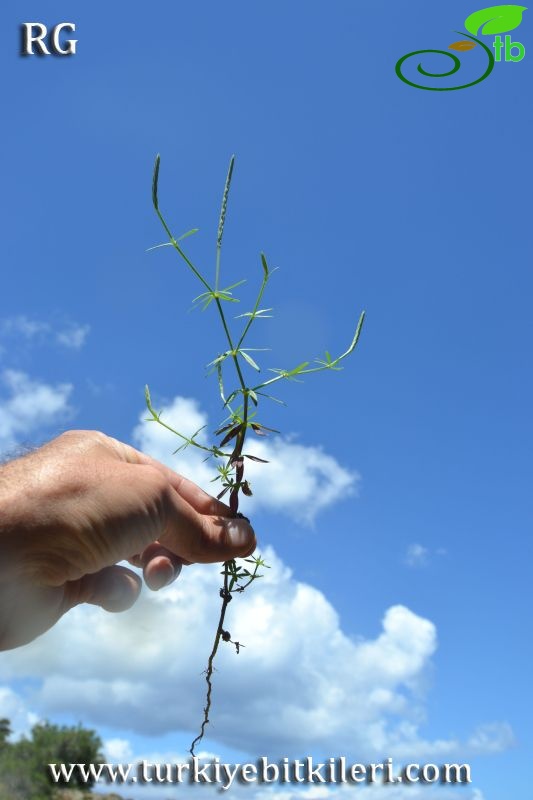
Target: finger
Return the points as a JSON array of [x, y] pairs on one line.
[[202, 538], [159, 572], [113, 588], [201, 501], [160, 566], [220, 537], [156, 549], [198, 527]]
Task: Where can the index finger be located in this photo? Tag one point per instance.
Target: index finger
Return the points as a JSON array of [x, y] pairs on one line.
[[198, 527], [201, 501]]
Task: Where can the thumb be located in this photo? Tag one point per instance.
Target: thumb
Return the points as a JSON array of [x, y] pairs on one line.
[[113, 588]]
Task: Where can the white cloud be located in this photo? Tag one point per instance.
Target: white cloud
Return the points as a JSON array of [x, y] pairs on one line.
[[30, 406], [32, 330], [491, 738], [14, 708], [417, 556], [22, 325], [74, 336], [118, 750], [299, 480], [300, 685]]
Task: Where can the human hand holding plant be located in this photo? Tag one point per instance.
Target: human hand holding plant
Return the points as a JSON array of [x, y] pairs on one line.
[[241, 419], [74, 508]]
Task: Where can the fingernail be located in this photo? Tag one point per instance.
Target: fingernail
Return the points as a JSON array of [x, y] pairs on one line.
[[163, 577], [240, 533]]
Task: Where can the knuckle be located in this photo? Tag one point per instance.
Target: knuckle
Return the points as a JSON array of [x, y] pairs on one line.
[[80, 435], [154, 478]]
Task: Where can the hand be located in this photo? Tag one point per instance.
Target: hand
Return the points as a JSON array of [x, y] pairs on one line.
[[74, 508]]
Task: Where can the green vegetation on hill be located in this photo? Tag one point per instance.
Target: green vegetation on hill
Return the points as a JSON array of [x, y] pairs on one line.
[[24, 764]]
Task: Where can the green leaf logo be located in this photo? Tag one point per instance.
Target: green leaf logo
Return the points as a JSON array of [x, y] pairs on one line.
[[496, 19]]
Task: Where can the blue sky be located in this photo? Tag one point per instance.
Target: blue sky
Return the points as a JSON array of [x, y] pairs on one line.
[[365, 193]]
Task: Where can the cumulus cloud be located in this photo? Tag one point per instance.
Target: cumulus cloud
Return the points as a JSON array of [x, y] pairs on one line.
[[30, 406], [299, 480], [300, 685]]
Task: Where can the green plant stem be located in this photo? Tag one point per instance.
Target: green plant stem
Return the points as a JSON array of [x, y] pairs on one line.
[[232, 348], [180, 251], [319, 369], [252, 317]]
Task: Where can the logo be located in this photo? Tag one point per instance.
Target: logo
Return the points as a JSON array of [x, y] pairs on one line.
[[491, 21]]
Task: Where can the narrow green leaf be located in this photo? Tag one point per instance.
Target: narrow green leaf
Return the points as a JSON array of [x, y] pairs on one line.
[[219, 359], [181, 447], [297, 369], [233, 285], [249, 359], [157, 246], [275, 399], [265, 265], [220, 382], [189, 233], [358, 331], [202, 296], [231, 397], [197, 432], [259, 314], [226, 296]]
